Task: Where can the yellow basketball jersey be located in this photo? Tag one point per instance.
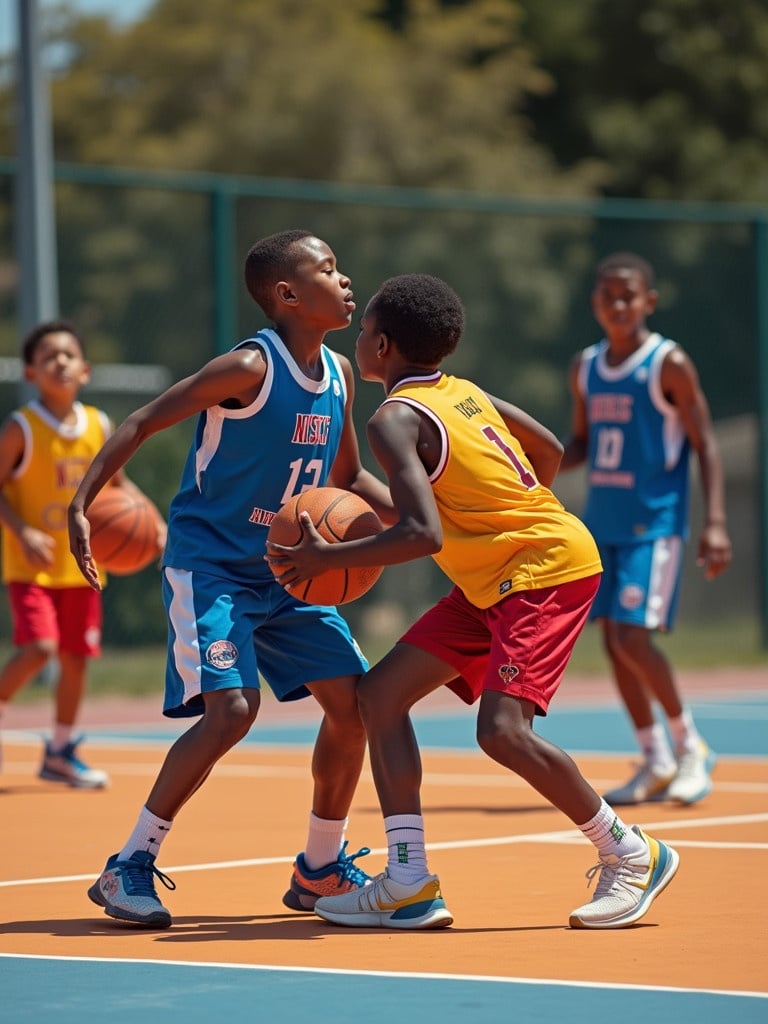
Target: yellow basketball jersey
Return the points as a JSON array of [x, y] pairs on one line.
[[56, 456], [503, 531]]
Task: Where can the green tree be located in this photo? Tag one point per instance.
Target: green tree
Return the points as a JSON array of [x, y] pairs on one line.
[[669, 95], [282, 88]]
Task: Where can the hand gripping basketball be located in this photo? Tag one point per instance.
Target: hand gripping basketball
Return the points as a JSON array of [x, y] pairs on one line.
[[337, 515]]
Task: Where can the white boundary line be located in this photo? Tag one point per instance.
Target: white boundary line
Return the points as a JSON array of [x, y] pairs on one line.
[[566, 836]]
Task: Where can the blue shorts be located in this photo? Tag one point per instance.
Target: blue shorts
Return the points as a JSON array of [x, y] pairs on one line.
[[222, 634], [641, 583]]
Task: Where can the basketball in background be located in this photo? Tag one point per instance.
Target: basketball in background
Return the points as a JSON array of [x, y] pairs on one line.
[[124, 527], [337, 515]]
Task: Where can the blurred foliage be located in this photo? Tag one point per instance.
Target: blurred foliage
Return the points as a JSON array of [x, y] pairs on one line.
[[670, 95]]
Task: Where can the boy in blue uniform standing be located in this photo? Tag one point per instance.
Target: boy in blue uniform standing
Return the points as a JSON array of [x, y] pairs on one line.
[[274, 419], [638, 409]]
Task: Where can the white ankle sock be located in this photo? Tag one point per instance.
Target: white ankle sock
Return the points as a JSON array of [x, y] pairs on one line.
[[148, 833], [684, 733], [407, 855], [324, 841], [655, 746], [610, 835], [62, 735]]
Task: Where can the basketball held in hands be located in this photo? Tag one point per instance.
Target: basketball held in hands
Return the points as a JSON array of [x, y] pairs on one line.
[[337, 515], [124, 530]]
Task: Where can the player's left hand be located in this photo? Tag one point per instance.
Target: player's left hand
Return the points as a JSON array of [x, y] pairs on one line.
[[304, 560], [714, 554]]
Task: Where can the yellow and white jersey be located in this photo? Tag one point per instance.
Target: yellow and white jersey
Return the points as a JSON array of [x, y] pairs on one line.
[[56, 456], [503, 531]]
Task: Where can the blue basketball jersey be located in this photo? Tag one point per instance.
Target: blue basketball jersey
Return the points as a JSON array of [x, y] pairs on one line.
[[245, 463], [638, 451]]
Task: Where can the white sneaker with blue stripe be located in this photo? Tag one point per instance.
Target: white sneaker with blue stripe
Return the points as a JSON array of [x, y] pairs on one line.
[[627, 885]]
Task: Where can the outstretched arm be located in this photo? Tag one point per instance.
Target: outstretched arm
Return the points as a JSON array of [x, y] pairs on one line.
[[236, 375]]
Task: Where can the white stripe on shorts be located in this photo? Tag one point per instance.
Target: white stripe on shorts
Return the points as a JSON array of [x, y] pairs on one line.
[[666, 562]]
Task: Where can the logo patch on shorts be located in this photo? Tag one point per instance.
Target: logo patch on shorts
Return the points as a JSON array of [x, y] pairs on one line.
[[631, 596], [508, 672], [222, 654]]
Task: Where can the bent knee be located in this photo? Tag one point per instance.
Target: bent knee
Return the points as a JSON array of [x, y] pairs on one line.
[[231, 712]]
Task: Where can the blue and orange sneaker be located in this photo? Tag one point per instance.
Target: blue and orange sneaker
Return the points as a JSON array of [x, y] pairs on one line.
[[341, 876], [627, 886], [385, 903]]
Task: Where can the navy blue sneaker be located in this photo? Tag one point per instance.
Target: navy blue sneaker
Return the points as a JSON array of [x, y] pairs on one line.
[[336, 878], [126, 890], [65, 766]]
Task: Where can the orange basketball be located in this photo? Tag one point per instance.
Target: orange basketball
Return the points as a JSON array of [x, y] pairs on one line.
[[337, 515], [123, 531]]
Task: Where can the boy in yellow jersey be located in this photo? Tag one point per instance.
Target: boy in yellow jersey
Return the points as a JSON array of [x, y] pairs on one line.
[[469, 476], [45, 448]]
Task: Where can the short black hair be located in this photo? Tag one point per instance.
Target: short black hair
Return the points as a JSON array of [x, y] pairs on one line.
[[270, 260], [422, 315], [36, 335], [627, 261]]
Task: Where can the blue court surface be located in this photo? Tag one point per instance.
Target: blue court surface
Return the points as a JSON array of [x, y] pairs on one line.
[[128, 991], [71, 990]]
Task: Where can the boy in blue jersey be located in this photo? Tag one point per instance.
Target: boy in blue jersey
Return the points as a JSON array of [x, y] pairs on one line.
[[638, 409], [228, 618]]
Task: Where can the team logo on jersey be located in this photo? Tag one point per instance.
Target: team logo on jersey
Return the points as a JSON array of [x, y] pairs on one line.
[[222, 654], [311, 428], [508, 672], [631, 596], [505, 587], [336, 388]]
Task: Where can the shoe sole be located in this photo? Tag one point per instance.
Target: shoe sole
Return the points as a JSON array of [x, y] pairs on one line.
[[440, 917], [47, 776], [668, 873], [156, 919], [298, 901]]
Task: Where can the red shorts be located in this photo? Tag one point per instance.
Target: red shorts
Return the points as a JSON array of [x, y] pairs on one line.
[[71, 616], [519, 646]]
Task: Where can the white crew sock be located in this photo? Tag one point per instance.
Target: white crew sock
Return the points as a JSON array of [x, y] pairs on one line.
[[407, 861], [148, 833], [655, 747], [324, 841], [609, 834]]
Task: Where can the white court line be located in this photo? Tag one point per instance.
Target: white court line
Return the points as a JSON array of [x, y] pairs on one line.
[[418, 975], [451, 779], [562, 836]]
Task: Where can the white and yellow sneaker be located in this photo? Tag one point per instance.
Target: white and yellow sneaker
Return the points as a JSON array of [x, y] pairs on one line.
[[627, 885], [694, 775], [649, 783], [385, 903]]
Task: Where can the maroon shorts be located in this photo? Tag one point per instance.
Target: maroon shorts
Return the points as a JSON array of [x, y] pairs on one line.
[[519, 646], [71, 616]]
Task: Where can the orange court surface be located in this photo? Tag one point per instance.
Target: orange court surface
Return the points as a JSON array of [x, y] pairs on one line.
[[511, 869]]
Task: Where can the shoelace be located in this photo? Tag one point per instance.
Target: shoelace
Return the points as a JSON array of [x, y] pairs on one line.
[[349, 871], [139, 879], [610, 875]]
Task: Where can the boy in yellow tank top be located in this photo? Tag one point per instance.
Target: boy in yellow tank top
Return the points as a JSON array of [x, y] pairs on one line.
[[45, 448], [469, 476]]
